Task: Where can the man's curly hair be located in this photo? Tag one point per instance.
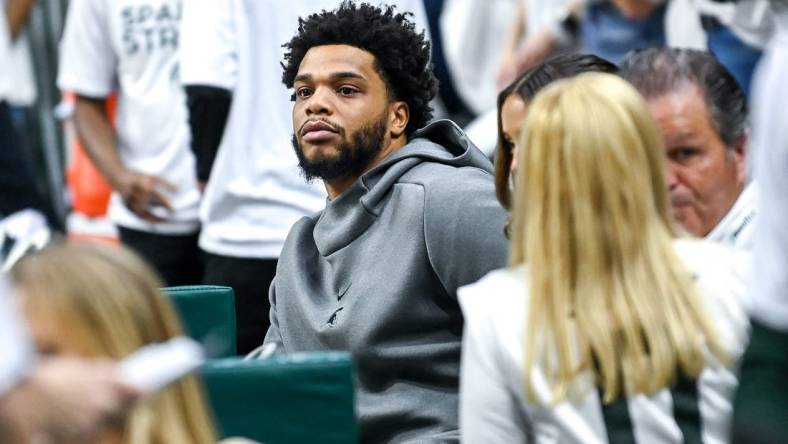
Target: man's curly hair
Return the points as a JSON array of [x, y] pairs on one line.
[[402, 56]]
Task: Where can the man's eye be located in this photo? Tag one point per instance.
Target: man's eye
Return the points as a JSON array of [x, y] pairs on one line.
[[303, 93], [346, 90], [47, 349], [683, 154]]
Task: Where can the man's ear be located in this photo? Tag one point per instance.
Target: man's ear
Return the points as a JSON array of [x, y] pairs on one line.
[[740, 157], [399, 114]]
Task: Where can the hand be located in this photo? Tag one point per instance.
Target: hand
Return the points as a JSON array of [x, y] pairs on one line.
[[68, 400], [140, 192]]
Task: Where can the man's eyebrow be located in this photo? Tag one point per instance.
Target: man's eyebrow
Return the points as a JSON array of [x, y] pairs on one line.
[[334, 76], [346, 75], [302, 78]]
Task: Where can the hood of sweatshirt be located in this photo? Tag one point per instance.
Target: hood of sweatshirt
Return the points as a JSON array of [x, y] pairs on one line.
[[350, 214]]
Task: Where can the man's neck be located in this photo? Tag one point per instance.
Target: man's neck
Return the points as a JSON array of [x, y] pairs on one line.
[[336, 187]]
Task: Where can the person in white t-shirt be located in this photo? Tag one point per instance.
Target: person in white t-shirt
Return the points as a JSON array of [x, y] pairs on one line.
[[230, 64], [701, 112], [131, 47], [605, 327]]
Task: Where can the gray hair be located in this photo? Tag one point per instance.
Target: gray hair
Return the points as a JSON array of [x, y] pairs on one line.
[[658, 71]]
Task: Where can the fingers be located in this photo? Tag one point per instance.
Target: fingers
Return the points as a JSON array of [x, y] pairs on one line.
[[158, 198], [169, 186], [143, 193], [73, 400]]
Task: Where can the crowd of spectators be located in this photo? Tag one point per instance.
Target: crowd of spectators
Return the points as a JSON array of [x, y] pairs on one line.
[[526, 220]]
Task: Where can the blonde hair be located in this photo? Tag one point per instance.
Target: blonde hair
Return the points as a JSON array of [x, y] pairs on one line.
[[592, 221], [111, 300]]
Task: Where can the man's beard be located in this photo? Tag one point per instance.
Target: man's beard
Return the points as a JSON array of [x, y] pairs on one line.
[[352, 155]]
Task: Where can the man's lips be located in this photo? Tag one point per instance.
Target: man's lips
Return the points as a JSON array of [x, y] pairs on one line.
[[318, 136], [680, 201], [317, 131]]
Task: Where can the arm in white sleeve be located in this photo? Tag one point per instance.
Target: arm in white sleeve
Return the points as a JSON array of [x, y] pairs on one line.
[[88, 62]]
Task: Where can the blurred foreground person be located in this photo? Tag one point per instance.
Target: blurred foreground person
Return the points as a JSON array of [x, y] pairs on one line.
[[761, 414], [96, 301], [702, 114], [55, 399], [513, 104], [131, 47], [605, 327]]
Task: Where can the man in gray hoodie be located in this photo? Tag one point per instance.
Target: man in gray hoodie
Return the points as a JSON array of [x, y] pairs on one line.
[[411, 216]]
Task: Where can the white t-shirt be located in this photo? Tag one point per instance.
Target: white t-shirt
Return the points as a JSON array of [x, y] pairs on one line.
[[493, 406], [473, 33], [132, 46], [6, 84], [256, 192], [17, 82]]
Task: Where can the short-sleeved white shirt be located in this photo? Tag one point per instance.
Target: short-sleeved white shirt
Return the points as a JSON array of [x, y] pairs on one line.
[[131, 46]]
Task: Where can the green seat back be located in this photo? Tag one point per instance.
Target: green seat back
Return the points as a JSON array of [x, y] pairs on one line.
[[299, 398], [207, 313]]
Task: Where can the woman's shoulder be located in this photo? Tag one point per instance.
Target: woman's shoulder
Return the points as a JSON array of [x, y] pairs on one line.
[[500, 293], [716, 264], [722, 274]]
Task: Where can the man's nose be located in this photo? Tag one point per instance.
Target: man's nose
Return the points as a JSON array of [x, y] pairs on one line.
[[671, 176], [319, 102]]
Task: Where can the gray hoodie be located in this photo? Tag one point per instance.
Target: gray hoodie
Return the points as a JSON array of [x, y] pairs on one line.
[[377, 271]]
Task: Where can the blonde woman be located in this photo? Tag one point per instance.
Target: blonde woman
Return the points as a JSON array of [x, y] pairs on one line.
[[91, 300], [605, 327]]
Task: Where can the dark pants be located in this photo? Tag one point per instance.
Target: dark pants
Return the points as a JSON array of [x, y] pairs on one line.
[[18, 189], [250, 279], [176, 257]]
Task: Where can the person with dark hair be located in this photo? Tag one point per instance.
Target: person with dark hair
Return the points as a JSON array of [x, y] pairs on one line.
[[514, 99], [411, 216], [239, 116], [702, 113]]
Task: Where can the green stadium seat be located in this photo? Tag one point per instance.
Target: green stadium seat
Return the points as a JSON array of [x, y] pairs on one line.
[[207, 313], [288, 399]]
